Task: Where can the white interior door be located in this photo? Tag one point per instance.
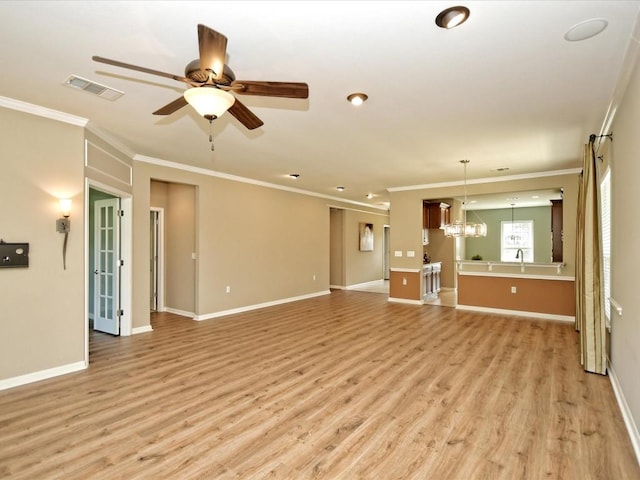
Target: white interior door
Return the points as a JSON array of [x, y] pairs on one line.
[[106, 316]]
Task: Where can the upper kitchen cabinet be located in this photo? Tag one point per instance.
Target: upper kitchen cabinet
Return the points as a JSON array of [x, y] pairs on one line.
[[435, 214], [556, 230]]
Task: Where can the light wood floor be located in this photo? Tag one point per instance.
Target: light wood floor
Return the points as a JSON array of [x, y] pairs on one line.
[[343, 386]]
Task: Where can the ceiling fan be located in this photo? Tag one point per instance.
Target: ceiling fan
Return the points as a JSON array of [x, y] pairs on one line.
[[211, 80]]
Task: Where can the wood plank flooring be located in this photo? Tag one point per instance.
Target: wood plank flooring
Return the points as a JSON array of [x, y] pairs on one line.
[[343, 386]]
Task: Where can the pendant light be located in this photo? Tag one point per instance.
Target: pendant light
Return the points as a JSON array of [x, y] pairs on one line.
[[513, 237], [460, 228]]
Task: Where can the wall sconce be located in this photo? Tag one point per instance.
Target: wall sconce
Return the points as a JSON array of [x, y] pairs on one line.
[[63, 225]]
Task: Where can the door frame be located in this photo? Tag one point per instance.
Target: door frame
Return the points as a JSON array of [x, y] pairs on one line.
[[386, 242], [160, 264], [126, 254]]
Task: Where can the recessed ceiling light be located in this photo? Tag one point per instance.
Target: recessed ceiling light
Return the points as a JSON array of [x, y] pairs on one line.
[[294, 175], [357, 98], [584, 30], [340, 189], [535, 196], [452, 17]]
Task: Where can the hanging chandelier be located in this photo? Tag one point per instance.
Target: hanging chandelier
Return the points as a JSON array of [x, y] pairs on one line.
[[461, 228]]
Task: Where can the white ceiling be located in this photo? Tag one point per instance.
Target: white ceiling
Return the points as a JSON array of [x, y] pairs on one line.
[[503, 90]]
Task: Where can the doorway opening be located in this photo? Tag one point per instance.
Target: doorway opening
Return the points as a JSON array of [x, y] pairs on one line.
[[386, 241], [156, 259], [108, 256]]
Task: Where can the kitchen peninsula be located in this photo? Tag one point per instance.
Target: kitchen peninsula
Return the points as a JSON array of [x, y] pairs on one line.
[[538, 290]]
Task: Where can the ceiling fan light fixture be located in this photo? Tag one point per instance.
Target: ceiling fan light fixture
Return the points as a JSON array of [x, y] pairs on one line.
[[452, 17], [210, 102], [357, 99]]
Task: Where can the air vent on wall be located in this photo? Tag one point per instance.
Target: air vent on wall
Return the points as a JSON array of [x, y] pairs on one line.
[[92, 87]]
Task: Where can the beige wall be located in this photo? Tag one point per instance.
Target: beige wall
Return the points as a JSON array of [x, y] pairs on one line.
[[42, 312], [362, 267], [350, 266], [180, 245], [265, 244], [179, 204], [625, 265], [406, 218]]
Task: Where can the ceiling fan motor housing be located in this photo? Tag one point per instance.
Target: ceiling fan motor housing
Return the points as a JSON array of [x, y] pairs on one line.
[[193, 72]]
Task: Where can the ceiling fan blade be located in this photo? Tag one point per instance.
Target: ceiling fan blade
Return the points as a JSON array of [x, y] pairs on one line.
[[213, 50], [271, 89], [245, 116], [140, 69], [169, 108]]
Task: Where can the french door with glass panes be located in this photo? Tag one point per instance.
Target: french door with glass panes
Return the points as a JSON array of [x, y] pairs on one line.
[[106, 315]]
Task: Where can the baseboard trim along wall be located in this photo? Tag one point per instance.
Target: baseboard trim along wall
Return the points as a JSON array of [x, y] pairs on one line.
[[543, 316], [182, 313], [222, 313], [355, 286], [144, 329], [632, 429], [405, 300], [42, 375]]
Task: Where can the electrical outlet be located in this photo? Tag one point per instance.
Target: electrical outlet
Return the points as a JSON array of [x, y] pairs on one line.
[[228, 289], [514, 290], [404, 280], [314, 276]]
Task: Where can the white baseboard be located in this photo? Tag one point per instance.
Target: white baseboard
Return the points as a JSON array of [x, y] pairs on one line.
[[182, 313], [144, 329], [42, 375], [356, 286], [405, 300], [519, 313], [632, 429], [208, 316]]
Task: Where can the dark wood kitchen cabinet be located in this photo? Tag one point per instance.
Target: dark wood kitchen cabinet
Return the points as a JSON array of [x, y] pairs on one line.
[[556, 230], [435, 214]]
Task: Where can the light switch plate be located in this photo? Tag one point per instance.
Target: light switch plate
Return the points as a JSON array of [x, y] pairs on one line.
[[411, 253], [397, 253]]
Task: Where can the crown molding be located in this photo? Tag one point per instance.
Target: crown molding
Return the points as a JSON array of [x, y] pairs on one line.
[[236, 178], [478, 181], [109, 139], [25, 107]]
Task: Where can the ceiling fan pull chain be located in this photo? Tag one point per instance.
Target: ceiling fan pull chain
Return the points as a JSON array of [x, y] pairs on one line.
[[211, 133]]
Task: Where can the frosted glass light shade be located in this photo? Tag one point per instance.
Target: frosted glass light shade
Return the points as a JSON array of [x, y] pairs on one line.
[[210, 102], [65, 206]]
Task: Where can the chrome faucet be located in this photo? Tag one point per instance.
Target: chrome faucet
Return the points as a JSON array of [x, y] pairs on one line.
[[520, 255]]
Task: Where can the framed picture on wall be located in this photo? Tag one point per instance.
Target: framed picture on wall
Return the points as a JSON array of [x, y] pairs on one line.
[[366, 237]]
